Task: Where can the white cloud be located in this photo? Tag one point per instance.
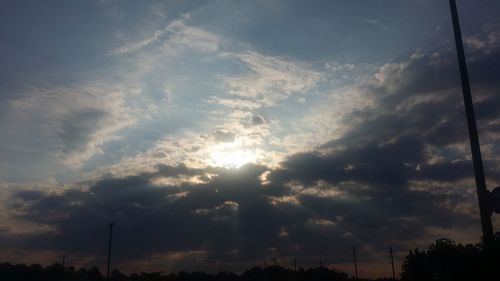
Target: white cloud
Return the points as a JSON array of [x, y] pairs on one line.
[[485, 43], [270, 79]]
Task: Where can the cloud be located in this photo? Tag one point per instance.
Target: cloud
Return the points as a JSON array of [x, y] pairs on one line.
[[232, 218], [486, 42], [223, 136], [174, 36], [258, 120], [77, 120], [270, 79], [262, 83]]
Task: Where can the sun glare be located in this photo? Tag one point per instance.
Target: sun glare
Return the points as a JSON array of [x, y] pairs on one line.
[[228, 156]]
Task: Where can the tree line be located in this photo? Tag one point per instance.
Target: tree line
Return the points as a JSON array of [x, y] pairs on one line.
[[443, 260]]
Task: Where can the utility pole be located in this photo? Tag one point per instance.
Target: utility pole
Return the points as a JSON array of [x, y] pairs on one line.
[[392, 263], [63, 259], [355, 260], [482, 192], [485, 198], [109, 247]]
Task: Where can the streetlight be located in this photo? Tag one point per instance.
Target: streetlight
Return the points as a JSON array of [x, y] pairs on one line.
[[109, 247]]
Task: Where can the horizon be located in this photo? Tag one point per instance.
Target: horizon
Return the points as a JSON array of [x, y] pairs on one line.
[[220, 134]]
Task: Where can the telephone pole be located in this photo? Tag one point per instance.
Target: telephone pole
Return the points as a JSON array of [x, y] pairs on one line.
[[482, 192], [109, 247], [63, 259], [485, 198]]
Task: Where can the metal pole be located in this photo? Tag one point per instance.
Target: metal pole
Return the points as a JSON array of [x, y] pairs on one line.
[[109, 247], [482, 191], [355, 260], [392, 263]]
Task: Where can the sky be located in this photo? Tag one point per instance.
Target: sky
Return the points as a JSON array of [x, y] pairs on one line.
[[219, 134]]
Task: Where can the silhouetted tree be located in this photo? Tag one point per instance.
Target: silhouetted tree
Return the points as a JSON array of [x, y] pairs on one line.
[[254, 274], [94, 274], [227, 276], [445, 260], [117, 276], [322, 273]]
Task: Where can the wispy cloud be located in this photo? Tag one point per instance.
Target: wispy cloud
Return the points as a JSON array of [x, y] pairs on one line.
[[176, 34], [270, 79], [77, 120]]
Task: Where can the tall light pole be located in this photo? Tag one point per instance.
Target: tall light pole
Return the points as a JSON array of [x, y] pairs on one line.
[[483, 194], [392, 263], [355, 261], [109, 247]]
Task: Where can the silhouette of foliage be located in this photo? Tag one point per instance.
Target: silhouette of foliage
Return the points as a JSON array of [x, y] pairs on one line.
[[56, 272], [446, 260]]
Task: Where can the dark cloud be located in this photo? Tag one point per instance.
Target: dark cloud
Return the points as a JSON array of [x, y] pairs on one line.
[[232, 212], [30, 195], [370, 164]]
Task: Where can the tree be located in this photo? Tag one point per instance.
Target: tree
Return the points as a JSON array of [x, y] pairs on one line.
[[445, 260]]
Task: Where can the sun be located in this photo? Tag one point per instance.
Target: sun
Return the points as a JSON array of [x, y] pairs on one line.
[[231, 156]]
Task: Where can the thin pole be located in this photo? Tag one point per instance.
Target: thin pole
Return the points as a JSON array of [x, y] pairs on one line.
[[482, 191], [355, 260], [63, 259], [109, 247], [392, 263]]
